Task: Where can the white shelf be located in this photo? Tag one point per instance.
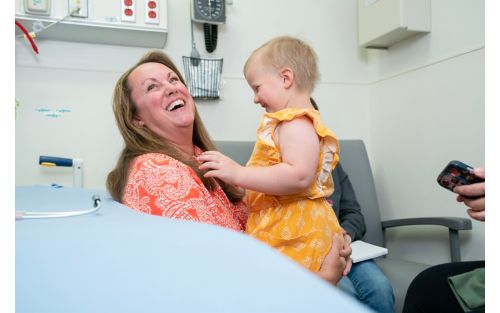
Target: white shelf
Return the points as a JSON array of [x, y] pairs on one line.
[[94, 32], [104, 24]]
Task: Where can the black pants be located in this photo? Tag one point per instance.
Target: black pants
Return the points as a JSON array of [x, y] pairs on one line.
[[430, 291]]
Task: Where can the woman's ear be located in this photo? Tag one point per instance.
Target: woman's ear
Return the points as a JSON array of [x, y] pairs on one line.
[[137, 121], [287, 75]]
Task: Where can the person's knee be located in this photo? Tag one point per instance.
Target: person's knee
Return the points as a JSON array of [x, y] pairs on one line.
[[346, 285], [380, 290], [384, 290]]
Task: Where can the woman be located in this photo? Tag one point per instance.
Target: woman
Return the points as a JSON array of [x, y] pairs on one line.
[[157, 172]]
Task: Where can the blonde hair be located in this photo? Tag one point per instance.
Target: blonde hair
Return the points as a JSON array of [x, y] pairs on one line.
[[286, 51], [140, 140]]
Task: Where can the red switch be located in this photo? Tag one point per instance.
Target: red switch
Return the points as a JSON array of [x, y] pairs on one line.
[[128, 11], [152, 11]]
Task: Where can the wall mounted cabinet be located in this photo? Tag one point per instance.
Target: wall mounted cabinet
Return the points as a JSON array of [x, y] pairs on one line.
[[382, 23]]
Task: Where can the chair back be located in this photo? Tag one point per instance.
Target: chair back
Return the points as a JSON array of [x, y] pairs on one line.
[[354, 160]]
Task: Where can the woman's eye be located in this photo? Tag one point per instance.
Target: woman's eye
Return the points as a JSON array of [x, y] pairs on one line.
[[174, 79]]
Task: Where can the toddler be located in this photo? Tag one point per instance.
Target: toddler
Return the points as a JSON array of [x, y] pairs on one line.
[[288, 176]]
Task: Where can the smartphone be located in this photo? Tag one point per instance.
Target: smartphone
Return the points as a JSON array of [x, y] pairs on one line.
[[457, 173]]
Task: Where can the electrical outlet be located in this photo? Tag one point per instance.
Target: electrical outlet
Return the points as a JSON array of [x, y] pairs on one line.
[[78, 8], [39, 7], [128, 10], [152, 12]]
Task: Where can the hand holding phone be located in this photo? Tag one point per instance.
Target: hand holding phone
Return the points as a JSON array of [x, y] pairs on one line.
[[457, 173], [462, 179]]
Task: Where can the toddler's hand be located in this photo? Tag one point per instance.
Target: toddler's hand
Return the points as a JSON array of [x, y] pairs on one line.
[[219, 166]]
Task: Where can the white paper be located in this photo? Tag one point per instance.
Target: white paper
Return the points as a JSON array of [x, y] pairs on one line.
[[362, 251]]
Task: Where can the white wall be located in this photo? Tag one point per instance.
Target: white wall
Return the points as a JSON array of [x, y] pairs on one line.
[[427, 108], [385, 98], [81, 77]]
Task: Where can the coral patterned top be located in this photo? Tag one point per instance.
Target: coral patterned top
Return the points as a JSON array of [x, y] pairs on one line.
[[300, 225], [161, 185]]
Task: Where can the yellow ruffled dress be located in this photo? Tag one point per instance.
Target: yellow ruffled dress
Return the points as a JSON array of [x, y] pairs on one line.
[[300, 225]]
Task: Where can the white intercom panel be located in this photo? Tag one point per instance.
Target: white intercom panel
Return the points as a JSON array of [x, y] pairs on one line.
[[121, 22], [37, 7]]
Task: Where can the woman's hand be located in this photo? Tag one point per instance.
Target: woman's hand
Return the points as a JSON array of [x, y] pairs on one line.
[[346, 252], [334, 264], [473, 196]]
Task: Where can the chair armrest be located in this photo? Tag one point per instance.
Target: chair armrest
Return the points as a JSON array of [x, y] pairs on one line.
[[454, 224]]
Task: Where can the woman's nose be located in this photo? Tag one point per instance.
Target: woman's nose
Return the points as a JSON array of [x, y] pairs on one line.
[[168, 88]]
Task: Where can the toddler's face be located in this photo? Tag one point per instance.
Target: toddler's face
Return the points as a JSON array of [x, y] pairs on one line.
[[267, 85]]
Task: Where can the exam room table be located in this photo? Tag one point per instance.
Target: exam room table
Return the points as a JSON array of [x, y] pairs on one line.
[[120, 260]]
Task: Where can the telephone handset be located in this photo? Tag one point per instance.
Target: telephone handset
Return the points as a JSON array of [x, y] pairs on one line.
[[210, 31], [210, 13]]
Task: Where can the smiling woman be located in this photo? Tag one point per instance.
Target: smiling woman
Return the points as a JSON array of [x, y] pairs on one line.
[[156, 172]]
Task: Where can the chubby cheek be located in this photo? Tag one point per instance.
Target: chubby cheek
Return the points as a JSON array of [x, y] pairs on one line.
[[156, 99], [181, 88], [262, 96], [146, 102], [189, 99]]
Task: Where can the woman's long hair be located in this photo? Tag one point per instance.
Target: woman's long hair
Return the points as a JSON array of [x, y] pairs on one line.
[[140, 140]]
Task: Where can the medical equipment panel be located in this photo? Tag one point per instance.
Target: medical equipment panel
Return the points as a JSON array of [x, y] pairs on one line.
[[141, 23], [76, 164]]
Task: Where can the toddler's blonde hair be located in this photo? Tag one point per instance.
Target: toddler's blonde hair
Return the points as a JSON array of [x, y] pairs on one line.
[[286, 51]]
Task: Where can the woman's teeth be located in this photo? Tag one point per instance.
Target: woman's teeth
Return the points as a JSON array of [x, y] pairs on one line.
[[175, 105]]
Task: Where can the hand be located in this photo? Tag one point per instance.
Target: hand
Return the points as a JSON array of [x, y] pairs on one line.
[[473, 196], [346, 252], [219, 166], [333, 265]]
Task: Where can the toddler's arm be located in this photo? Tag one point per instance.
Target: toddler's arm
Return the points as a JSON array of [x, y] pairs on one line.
[[299, 148]]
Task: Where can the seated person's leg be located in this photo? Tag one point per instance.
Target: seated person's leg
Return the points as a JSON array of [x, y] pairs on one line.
[[430, 291], [372, 286], [346, 285]]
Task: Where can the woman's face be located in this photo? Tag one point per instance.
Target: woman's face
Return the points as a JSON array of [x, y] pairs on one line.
[[164, 104]]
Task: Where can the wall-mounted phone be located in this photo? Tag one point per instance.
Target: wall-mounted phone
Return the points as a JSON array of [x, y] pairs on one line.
[[211, 13]]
